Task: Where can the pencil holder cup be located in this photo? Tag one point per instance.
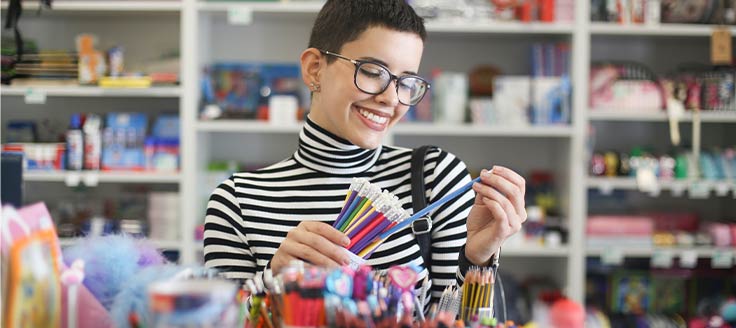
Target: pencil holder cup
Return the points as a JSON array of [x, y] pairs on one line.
[[193, 303], [476, 314]]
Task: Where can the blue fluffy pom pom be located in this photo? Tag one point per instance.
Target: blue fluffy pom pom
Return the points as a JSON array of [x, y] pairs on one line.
[[110, 261]]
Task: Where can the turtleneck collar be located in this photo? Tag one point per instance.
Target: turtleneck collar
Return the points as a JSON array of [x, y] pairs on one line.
[[323, 151]]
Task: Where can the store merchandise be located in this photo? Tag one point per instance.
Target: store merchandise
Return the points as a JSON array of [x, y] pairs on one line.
[[31, 261], [658, 229], [524, 11], [715, 165], [664, 11], [243, 90], [163, 215]]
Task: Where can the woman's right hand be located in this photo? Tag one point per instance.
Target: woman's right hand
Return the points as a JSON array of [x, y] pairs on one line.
[[315, 242]]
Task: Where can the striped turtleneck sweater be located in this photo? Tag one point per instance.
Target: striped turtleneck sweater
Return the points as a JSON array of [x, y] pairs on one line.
[[250, 213]]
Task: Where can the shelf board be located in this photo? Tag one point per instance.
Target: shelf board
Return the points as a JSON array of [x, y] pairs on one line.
[[481, 130], [299, 7], [607, 184], [83, 91], [679, 30], [102, 177], [495, 27], [534, 251], [82, 6], [652, 116], [246, 126], [702, 252], [161, 244]]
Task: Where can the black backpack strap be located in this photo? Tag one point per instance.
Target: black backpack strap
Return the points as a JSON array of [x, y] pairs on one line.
[[421, 228]]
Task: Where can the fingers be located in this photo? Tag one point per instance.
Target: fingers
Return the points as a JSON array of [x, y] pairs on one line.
[[327, 231], [315, 242], [501, 184], [501, 214], [512, 176]]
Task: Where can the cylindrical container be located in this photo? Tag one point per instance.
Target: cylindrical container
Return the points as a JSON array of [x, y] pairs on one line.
[[193, 303]]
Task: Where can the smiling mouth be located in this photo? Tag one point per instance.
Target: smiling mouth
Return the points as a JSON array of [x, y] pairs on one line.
[[372, 116]]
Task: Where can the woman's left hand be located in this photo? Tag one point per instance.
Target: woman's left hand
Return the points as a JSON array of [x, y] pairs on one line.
[[497, 213]]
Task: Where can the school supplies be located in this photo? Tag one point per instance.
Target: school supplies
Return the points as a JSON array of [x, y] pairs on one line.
[[477, 294], [370, 216]]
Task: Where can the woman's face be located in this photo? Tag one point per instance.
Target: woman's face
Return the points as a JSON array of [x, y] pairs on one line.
[[341, 108]]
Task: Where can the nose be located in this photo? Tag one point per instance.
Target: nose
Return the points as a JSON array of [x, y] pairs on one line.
[[390, 96]]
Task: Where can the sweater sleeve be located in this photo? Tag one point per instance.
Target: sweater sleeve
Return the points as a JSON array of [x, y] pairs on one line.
[[447, 173], [225, 244]]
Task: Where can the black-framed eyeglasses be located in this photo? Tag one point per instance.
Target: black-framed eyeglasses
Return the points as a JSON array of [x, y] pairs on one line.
[[374, 78]]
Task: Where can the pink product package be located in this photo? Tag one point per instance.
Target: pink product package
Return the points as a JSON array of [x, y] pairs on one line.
[[675, 222], [20, 223], [620, 225], [720, 232]]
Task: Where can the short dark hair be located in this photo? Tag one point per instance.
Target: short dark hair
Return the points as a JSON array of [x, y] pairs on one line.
[[342, 21]]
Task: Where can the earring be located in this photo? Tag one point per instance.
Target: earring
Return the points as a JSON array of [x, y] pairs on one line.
[[315, 87]]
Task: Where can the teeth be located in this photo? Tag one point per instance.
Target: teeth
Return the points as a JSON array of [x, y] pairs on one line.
[[373, 117]]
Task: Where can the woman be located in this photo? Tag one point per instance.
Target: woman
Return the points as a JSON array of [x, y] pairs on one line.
[[361, 66]]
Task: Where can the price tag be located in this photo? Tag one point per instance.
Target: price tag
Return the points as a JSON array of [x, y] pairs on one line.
[[646, 180], [655, 190], [605, 187], [240, 16], [689, 259], [91, 179], [720, 47], [678, 189], [72, 179], [612, 256], [722, 189], [35, 97], [662, 258], [722, 259], [699, 190]]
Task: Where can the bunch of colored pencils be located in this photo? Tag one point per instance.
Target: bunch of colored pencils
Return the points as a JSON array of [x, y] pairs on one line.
[[477, 294], [367, 213]]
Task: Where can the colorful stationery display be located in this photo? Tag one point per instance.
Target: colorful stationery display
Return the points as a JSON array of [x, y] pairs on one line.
[[370, 216]]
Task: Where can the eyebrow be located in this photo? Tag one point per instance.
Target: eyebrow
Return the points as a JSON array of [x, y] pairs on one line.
[[372, 59]]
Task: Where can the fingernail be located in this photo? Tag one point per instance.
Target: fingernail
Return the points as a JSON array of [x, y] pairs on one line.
[[487, 174], [345, 261], [345, 241]]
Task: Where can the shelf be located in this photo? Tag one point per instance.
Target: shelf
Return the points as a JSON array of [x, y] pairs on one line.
[[161, 244], [702, 252], [481, 130], [82, 91], [607, 184], [534, 251], [303, 7], [246, 126], [652, 116], [491, 27], [678, 30], [104, 6], [89, 178]]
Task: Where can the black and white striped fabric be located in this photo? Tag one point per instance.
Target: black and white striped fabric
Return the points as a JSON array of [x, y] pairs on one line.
[[249, 214]]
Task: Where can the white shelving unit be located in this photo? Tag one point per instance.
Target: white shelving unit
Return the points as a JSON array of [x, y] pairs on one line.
[[91, 6], [103, 177], [661, 47], [160, 244], [675, 30], [206, 31], [80, 91], [659, 116], [700, 252]]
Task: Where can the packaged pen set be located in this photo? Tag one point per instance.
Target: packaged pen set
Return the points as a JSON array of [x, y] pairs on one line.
[[303, 295]]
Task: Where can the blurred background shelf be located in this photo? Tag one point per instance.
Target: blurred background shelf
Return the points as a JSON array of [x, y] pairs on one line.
[[103, 177]]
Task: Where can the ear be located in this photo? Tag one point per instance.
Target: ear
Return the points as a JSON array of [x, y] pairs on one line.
[[312, 64]]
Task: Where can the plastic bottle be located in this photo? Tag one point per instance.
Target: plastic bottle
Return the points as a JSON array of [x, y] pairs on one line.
[[75, 144]]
